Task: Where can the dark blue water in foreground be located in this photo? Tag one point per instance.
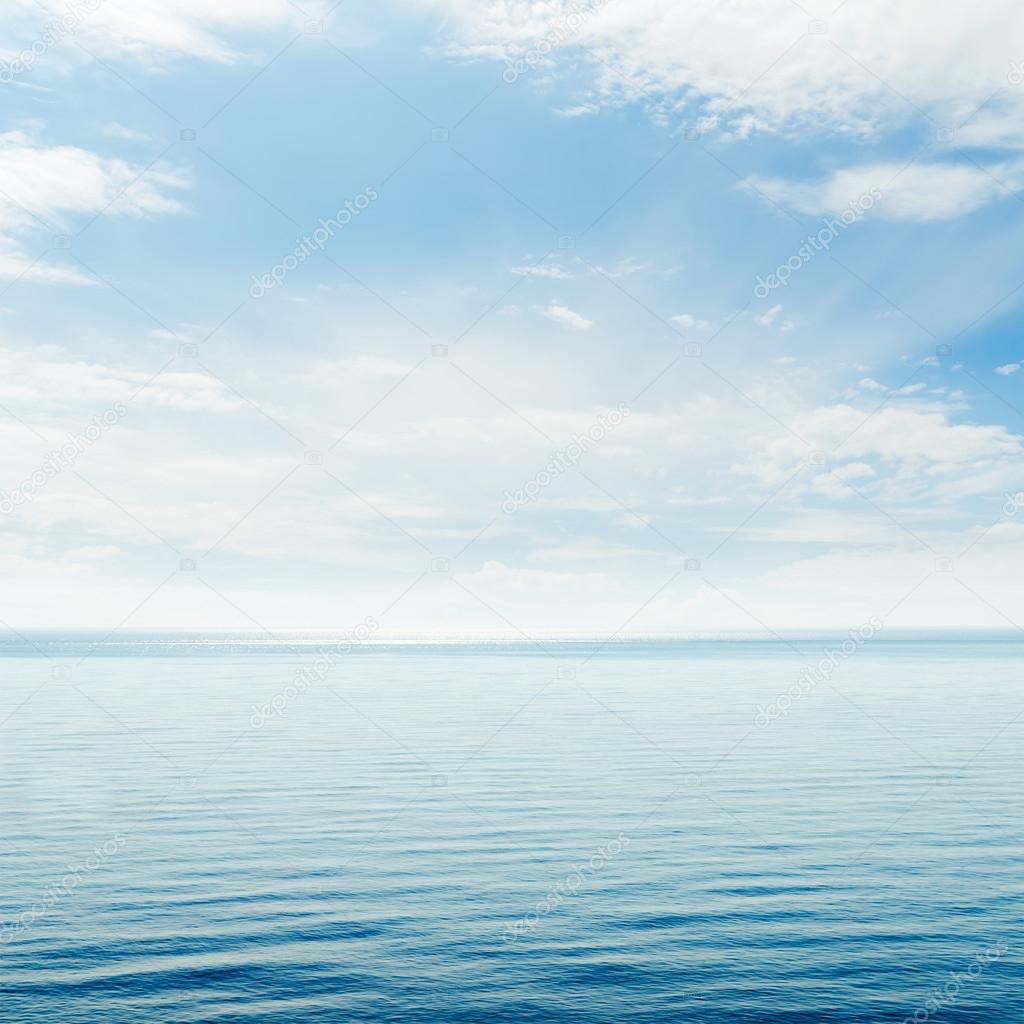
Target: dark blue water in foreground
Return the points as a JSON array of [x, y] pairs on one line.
[[191, 829]]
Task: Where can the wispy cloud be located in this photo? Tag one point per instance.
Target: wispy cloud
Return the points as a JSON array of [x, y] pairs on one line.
[[43, 187], [565, 317], [548, 270], [922, 191]]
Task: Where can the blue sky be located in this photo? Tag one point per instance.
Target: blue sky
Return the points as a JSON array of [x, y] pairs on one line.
[[541, 234]]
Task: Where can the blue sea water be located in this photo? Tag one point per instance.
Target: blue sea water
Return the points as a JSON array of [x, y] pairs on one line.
[[494, 831]]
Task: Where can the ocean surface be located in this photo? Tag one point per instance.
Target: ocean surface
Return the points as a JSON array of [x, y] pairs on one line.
[[223, 829]]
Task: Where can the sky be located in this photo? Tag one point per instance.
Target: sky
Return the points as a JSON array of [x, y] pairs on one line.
[[517, 317]]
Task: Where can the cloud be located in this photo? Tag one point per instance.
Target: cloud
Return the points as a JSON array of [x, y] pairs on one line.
[[917, 452], [497, 575], [624, 268], [771, 316], [918, 597], [919, 192], [159, 30], [54, 383], [854, 471], [687, 502], [582, 110], [587, 550], [42, 187], [567, 317], [998, 125], [113, 130], [326, 373], [768, 318], [39, 182], [556, 273], [873, 68], [688, 322], [1008, 369], [17, 264], [92, 553]]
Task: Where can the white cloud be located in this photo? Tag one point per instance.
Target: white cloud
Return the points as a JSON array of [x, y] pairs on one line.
[[581, 110], [113, 130], [684, 501], [1001, 127], [157, 30], [579, 503], [50, 182], [567, 317], [497, 575], [875, 69], [594, 550], [688, 322], [552, 271], [917, 451], [53, 382], [770, 317], [42, 187], [918, 192], [854, 471], [17, 264], [92, 553], [1008, 369], [326, 373], [624, 268], [871, 580]]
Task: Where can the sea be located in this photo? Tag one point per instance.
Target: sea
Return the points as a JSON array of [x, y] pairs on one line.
[[244, 829]]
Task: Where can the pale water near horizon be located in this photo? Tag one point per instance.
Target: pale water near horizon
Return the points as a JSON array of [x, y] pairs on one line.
[[562, 831]]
